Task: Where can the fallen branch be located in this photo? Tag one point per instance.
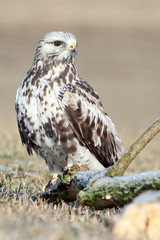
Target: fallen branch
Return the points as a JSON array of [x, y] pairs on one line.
[[93, 188], [117, 191]]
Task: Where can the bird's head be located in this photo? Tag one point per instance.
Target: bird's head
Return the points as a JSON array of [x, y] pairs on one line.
[[58, 45]]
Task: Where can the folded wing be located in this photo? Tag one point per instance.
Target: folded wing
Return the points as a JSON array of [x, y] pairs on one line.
[[90, 123]]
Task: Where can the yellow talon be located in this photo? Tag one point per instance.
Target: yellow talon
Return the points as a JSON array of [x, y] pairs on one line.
[[50, 183], [53, 180]]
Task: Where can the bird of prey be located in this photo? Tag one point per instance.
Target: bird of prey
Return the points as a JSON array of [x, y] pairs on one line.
[[59, 115]]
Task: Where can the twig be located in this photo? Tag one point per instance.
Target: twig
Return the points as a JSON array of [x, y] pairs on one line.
[[120, 167]]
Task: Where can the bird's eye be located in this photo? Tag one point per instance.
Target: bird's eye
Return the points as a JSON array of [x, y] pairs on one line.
[[57, 43]]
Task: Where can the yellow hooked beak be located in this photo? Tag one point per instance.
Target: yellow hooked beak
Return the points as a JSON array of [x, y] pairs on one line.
[[70, 48]]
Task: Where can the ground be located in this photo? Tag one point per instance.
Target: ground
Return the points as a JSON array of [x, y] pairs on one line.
[[119, 55]]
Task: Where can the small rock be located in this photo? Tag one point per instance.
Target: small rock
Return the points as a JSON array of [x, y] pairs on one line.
[[141, 219]]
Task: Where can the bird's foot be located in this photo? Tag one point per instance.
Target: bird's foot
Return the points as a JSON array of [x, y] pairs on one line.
[[71, 170], [50, 183], [68, 171]]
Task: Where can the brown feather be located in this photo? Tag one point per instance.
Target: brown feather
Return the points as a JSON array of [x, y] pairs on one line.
[[89, 121]]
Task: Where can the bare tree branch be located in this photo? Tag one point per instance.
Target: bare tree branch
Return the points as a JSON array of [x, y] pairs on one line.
[[120, 167]]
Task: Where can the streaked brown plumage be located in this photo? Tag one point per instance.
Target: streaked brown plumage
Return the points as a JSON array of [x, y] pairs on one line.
[[59, 114]]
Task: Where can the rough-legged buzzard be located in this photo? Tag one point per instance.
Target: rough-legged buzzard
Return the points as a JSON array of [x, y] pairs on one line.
[[60, 115]]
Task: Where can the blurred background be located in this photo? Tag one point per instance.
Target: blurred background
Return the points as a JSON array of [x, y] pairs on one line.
[[119, 55]]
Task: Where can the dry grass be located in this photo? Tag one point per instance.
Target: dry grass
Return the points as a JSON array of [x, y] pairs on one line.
[[23, 215]]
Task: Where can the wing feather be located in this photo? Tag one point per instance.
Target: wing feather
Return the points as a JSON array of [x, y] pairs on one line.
[[89, 121]]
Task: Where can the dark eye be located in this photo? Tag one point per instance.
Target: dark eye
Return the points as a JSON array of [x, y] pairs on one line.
[[57, 43]]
